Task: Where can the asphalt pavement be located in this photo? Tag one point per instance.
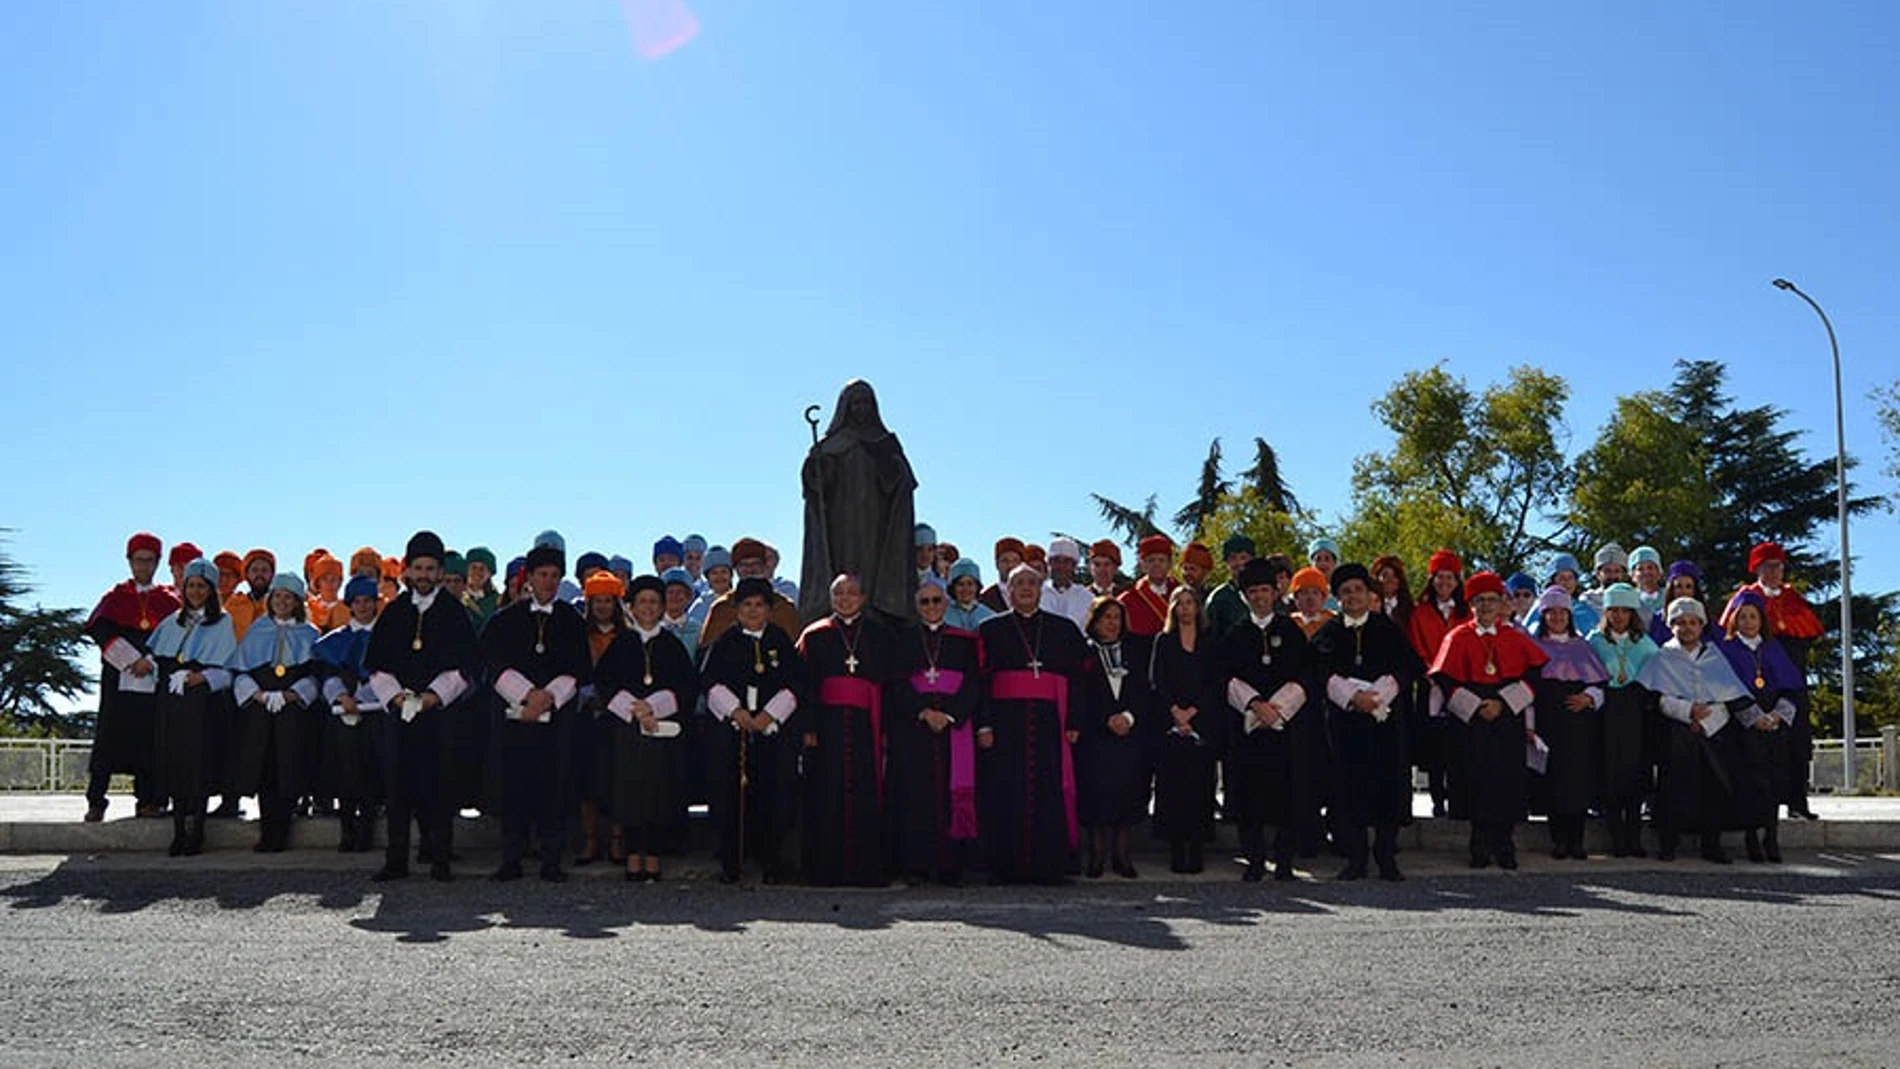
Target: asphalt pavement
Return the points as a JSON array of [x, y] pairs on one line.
[[128, 960]]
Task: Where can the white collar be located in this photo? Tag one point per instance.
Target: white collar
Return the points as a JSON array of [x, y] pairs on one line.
[[1492, 630], [423, 601], [1751, 643], [194, 615], [1354, 621], [1259, 621], [1769, 592], [648, 635], [536, 606], [1558, 638], [673, 621], [354, 626], [754, 634], [847, 621], [1445, 607], [283, 621], [938, 626], [143, 588], [604, 628]]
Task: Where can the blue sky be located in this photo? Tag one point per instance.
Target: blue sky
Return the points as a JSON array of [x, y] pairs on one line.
[[307, 273]]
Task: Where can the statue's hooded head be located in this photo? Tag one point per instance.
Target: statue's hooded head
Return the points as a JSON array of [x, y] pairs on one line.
[[856, 414]]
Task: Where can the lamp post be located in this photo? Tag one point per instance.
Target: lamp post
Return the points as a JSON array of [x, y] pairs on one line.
[[1847, 585]]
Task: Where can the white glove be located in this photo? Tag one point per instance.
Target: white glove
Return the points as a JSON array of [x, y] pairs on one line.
[[274, 701], [177, 683]]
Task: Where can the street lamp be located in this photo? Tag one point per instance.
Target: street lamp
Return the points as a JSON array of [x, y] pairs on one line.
[[1847, 586]]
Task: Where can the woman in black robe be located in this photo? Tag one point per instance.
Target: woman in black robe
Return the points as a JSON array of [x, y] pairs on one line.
[[1190, 722], [646, 682], [1111, 755], [190, 650], [605, 609]]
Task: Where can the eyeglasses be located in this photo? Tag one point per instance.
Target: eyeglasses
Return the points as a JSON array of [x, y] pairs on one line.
[[930, 601]]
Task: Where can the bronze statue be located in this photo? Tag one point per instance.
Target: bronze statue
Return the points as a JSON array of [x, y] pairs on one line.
[[859, 510]]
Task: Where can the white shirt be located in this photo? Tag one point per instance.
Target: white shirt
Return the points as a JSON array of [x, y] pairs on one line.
[[423, 601], [1072, 601]]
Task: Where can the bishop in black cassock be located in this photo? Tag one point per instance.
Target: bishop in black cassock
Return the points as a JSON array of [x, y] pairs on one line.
[[1032, 679], [930, 773], [849, 658]]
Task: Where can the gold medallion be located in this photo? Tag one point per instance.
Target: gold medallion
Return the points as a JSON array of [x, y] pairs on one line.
[[1490, 668], [279, 670], [145, 623], [416, 645], [758, 668], [1759, 681]]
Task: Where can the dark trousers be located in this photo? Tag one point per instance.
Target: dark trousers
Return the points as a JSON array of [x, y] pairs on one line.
[[415, 764], [1385, 843], [145, 787], [1492, 839], [535, 789], [1253, 843]]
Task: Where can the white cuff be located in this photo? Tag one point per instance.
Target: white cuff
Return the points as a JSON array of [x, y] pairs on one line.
[[1240, 694], [781, 705], [1341, 691], [1518, 696], [217, 679], [448, 686], [386, 688], [562, 688], [1387, 689], [513, 687], [1677, 709], [1288, 700], [1463, 704], [305, 688], [1784, 711], [721, 702], [121, 654], [664, 704], [621, 705], [1596, 696], [333, 689], [244, 689]]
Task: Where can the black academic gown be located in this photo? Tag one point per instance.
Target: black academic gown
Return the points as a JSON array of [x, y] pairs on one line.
[[274, 750], [926, 837], [1574, 768], [843, 815], [351, 765], [194, 727], [1261, 763], [648, 794], [125, 735], [428, 765], [1023, 805], [752, 776], [1375, 776], [1184, 773], [1110, 769], [533, 760]]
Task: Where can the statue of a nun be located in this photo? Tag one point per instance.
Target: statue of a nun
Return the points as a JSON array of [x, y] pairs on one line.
[[859, 511]]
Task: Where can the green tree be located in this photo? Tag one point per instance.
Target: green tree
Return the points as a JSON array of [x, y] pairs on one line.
[[1217, 508], [1691, 473], [1887, 398], [40, 660], [1207, 495], [1482, 473]]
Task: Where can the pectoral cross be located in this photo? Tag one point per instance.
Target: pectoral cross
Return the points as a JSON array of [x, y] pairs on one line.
[[851, 663], [1035, 667], [931, 675]]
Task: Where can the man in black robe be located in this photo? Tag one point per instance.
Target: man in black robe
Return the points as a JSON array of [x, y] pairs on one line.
[[753, 679], [930, 781], [534, 656], [1024, 731], [420, 660], [1265, 672], [849, 660], [1368, 668], [127, 735]]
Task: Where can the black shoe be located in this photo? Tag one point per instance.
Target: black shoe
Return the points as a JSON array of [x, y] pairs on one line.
[[726, 876], [388, 873], [1354, 870], [1177, 856], [1256, 870], [1095, 868], [441, 873], [1507, 861], [553, 874], [1577, 852], [1283, 872], [1194, 860], [1389, 872], [509, 870], [1635, 849], [1559, 852], [1125, 868], [1712, 851], [1771, 848], [631, 876], [1665, 853], [654, 876], [177, 848], [1751, 844], [773, 877], [1478, 861]]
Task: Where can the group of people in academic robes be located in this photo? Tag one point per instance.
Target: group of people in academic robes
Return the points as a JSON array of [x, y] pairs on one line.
[[1028, 730]]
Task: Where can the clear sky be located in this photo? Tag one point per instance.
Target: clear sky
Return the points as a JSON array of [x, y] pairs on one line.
[[301, 272]]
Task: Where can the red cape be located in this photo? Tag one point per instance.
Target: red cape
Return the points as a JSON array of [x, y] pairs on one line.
[[1465, 653]]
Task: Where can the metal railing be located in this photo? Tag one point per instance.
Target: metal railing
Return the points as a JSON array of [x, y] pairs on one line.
[[1870, 765], [44, 764]]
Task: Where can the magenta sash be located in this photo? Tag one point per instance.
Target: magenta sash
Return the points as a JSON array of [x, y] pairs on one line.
[[1018, 685], [860, 694], [962, 756]]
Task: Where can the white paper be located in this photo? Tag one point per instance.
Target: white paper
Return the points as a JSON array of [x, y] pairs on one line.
[[1536, 754], [520, 713], [120, 654], [131, 684], [411, 707], [662, 729], [1715, 721]]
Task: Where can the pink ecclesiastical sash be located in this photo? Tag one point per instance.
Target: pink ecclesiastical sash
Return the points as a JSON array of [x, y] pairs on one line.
[[1017, 685], [863, 694], [962, 755]]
